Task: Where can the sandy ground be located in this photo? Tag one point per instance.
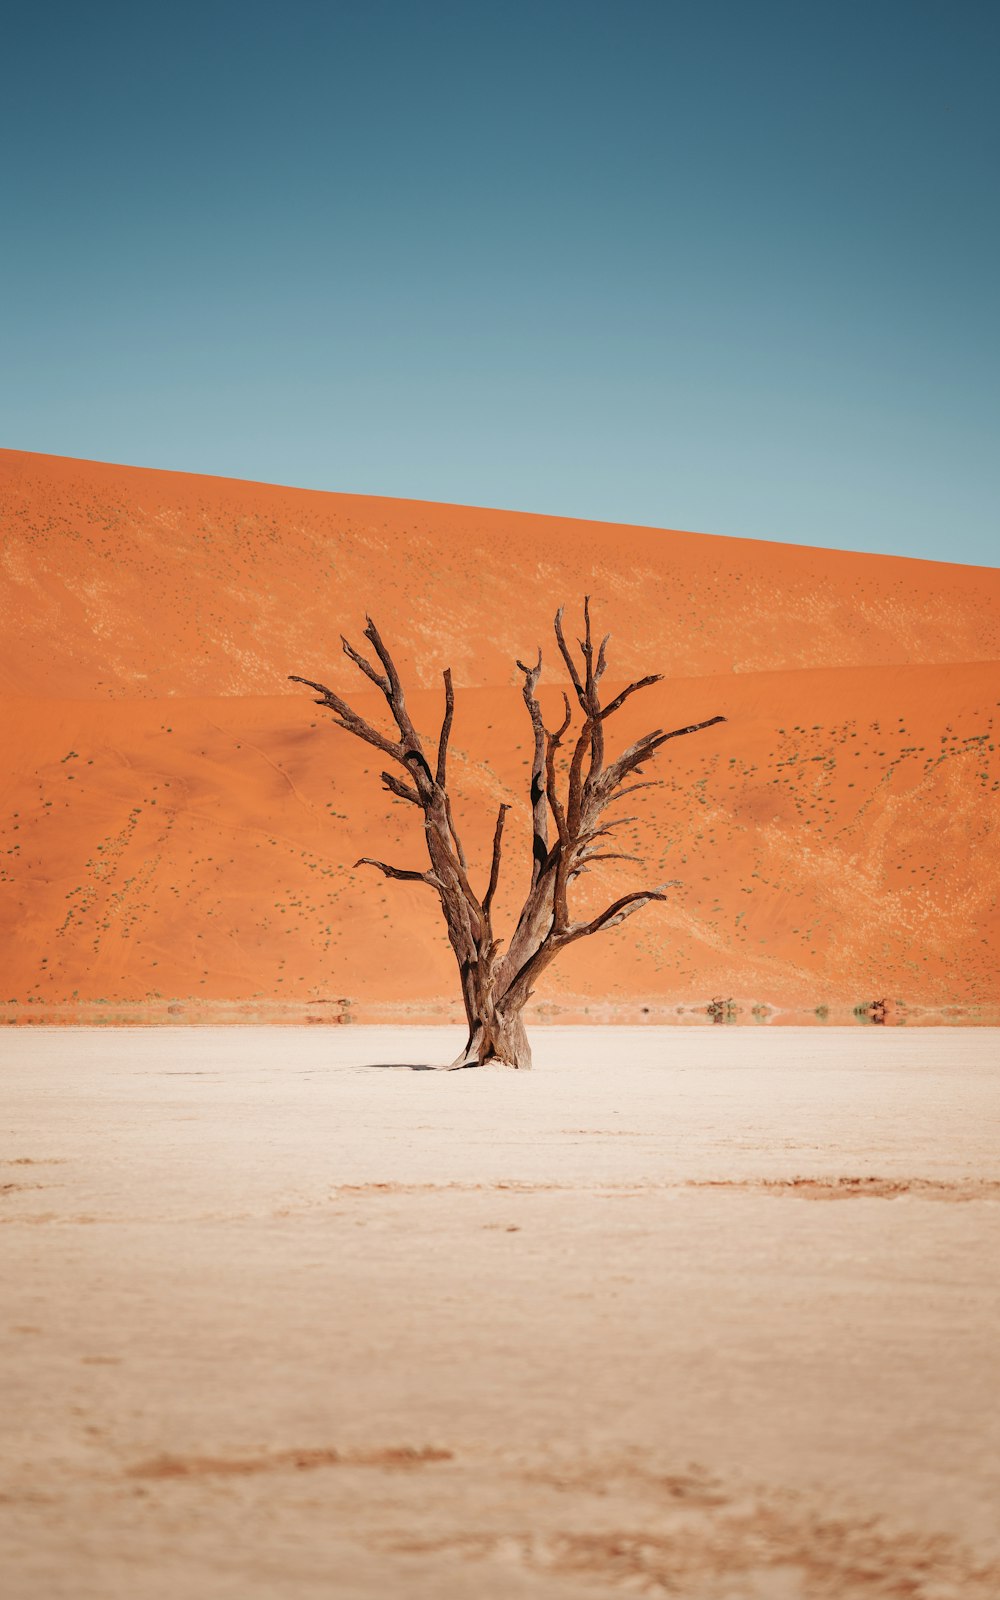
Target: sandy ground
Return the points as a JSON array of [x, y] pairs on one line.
[[281, 1317]]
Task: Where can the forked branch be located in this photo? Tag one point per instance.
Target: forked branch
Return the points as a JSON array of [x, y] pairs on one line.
[[350, 720]]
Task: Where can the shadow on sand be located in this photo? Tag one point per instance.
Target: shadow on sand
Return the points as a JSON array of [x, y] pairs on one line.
[[401, 1066]]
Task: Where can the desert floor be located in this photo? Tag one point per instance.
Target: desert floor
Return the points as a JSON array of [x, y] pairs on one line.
[[283, 1317]]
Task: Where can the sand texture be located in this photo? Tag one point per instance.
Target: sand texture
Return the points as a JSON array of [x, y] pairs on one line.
[[178, 824], [700, 1314]]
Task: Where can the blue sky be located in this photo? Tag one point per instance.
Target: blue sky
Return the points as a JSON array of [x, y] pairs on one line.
[[722, 266]]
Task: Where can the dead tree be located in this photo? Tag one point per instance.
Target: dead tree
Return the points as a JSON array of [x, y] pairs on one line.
[[570, 831]]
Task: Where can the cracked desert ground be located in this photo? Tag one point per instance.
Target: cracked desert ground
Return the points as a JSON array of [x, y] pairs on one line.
[[708, 1313]]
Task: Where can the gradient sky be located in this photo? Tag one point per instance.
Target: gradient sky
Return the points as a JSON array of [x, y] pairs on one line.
[[722, 266]]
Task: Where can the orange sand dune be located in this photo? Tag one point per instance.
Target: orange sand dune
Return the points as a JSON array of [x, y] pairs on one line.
[[175, 824], [132, 582]]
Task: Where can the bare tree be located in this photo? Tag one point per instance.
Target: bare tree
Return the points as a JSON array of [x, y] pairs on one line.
[[496, 984]]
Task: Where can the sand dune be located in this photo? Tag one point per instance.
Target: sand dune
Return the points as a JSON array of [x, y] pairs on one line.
[[175, 825]]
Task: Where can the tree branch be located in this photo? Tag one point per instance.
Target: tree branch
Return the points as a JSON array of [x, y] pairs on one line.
[[617, 913], [397, 787], [449, 713], [587, 647], [409, 737], [588, 856], [366, 667], [571, 667], [350, 720], [417, 761], [593, 732], [692, 727], [495, 868], [602, 659], [620, 699], [403, 873], [395, 686], [607, 827], [553, 741], [647, 746], [584, 862], [619, 794], [539, 811], [456, 841], [575, 787]]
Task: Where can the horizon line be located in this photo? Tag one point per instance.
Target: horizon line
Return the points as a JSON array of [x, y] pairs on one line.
[[461, 505]]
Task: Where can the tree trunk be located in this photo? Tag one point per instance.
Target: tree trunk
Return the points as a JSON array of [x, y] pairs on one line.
[[496, 1038]]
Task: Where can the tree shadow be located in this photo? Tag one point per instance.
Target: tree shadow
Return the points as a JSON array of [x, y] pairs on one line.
[[401, 1066]]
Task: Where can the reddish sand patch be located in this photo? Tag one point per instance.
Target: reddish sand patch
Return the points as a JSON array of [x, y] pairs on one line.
[[175, 824], [393, 1458]]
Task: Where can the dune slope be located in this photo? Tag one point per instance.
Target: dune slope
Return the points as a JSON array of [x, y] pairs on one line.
[[177, 823]]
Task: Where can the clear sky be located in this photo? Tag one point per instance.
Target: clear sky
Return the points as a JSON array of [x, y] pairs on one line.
[[729, 265]]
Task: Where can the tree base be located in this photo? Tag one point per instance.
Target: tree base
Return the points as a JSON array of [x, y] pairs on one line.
[[502, 1044]]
